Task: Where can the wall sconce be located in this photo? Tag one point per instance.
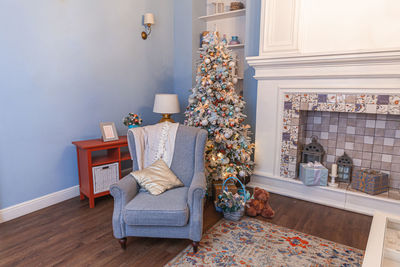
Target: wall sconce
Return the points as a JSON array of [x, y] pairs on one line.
[[147, 21]]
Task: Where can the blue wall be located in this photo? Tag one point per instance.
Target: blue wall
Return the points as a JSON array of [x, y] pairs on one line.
[[65, 66]]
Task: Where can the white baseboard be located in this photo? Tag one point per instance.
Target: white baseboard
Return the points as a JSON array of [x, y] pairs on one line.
[[38, 203]]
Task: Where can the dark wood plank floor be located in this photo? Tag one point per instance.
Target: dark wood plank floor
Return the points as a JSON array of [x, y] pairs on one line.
[[71, 234]]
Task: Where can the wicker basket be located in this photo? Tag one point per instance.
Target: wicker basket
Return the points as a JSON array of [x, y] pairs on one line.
[[236, 6], [234, 216]]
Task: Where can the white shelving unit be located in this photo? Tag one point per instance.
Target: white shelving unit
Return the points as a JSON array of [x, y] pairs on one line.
[[227, 14], [229, 23]]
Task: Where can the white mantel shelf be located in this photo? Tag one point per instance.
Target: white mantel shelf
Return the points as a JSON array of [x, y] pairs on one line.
[[371, 64], [335, 197]]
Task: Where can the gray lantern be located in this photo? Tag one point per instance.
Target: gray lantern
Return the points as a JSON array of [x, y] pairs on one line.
[[313, 151], [345, 166]]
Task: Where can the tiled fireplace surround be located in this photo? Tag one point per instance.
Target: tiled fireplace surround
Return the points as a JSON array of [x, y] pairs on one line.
[[365, 126]]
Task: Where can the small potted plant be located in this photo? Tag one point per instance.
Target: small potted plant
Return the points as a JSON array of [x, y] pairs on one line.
[[232, 205], [132, 120]]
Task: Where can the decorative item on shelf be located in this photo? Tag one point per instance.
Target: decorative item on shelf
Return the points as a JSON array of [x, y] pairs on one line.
[[148, 20], [132, 120], [333, 183], [313, 174], [236, 6], [234, 41], [219, 6], [370, 181], [345, 166], [108, 131], [232, 205], [202, 39], [313, 151], [166, 104], [224, 40]]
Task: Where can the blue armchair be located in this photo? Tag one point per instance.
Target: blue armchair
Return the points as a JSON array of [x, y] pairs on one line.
[[176, 213]]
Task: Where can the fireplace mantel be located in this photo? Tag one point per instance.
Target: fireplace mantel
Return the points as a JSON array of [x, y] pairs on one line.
[[371, 64]]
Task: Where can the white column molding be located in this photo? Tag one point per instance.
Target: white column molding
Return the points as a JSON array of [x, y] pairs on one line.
[[279, 26]]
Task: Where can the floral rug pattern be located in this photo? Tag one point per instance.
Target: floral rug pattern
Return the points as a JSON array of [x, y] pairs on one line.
[[252, 242]]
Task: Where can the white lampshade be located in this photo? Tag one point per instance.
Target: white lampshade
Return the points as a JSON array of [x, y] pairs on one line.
[[148, 18], [166, 104]]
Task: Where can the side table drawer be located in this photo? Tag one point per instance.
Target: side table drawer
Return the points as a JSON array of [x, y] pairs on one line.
[[104, 176]]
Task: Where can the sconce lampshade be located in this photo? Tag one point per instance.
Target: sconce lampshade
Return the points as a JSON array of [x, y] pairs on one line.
[[166, 104], [148, 18]]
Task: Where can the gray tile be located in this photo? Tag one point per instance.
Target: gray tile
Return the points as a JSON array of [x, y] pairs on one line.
[[393, 125], [342, 130], [332, 136], [396, 159], [361, 123], [375, 165], [367, 148], [386, 158], [378, 148], [390, 133], [368, 140], [395, 167], [359, 139], [387, 149], [370, 123], [366, 155], [350, 138], [378, 140], [350, 130], [386, 166], [333, 128], [358, 146], [379, 132], [370, 131], [397, 142], [340, 144], [366, 164], [380, 124], [388, 141], [352, 122], [376, 157], [360, 131], [331, 143], [342, 123]]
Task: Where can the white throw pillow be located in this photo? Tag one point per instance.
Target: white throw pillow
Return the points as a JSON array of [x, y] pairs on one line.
[[157, 178]]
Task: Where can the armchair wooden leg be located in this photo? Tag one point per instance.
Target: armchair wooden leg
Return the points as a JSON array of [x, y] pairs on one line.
[[195, 246], [122, 242]]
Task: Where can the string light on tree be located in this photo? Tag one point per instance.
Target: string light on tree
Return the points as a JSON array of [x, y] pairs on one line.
[[215, 106]]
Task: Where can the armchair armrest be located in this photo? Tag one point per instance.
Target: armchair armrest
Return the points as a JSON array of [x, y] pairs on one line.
[[122, 191], [195, 201], [197, 188]]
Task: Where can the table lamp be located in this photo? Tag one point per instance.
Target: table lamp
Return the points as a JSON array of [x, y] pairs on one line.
[[166, 104]]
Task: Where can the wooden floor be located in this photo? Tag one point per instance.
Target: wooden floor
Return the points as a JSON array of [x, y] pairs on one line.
[[71, 234]]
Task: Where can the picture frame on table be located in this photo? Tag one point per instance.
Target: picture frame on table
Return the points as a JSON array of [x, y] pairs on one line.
[[108, 131]]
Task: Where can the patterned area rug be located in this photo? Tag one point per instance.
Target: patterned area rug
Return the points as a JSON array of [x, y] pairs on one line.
[[252, 242]]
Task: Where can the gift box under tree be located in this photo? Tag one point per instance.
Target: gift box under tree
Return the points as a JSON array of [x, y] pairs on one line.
[[370, 181], [313, 174]]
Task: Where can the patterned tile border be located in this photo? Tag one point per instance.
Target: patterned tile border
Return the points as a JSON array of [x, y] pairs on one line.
[[351, 103]]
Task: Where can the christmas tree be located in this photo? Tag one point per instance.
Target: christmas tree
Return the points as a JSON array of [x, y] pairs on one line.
[[215, 106]]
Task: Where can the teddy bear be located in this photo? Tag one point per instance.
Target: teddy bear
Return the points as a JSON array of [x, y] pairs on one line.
[[259, 205]]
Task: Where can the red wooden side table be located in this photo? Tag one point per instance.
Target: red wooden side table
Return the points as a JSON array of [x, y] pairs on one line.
[[93, 153]]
